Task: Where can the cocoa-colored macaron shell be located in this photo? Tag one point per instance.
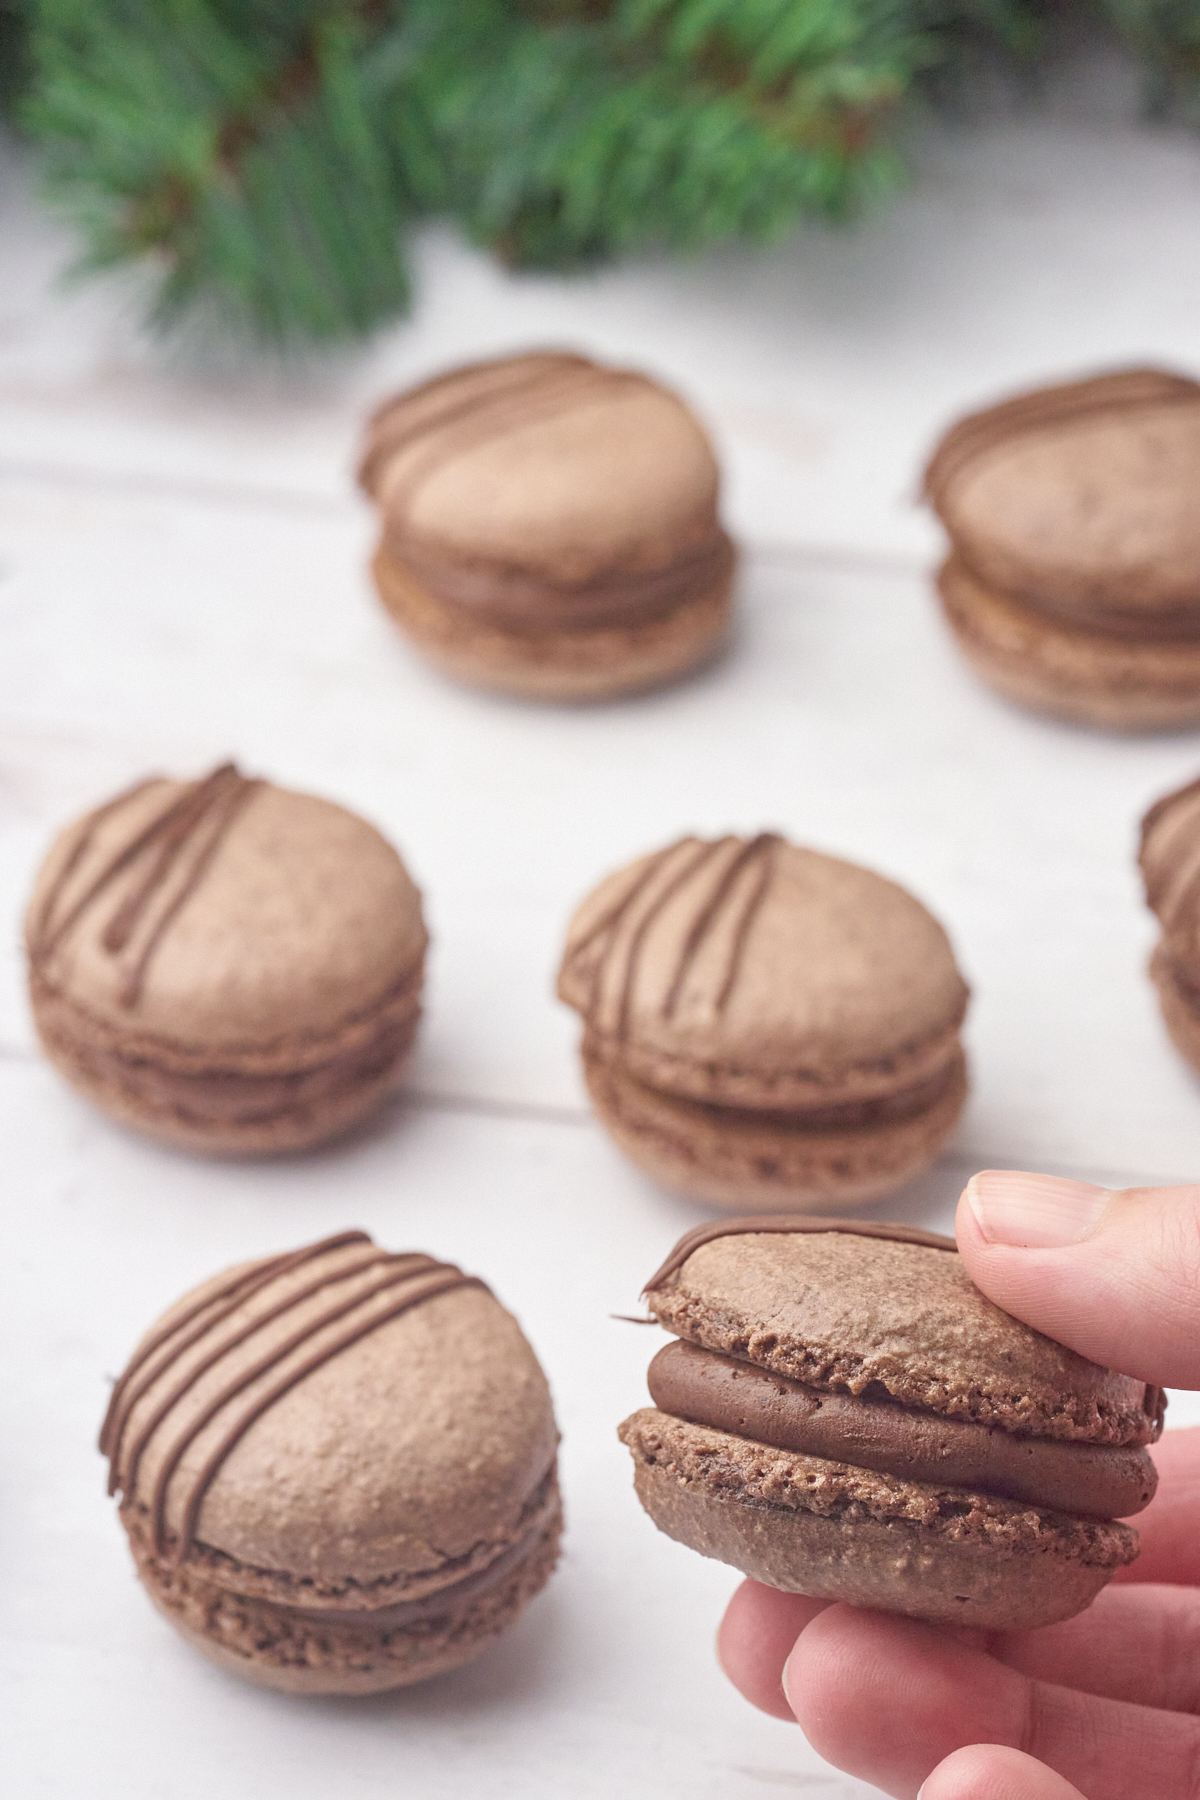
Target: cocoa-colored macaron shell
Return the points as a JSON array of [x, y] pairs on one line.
[[930, 1552], [1052, 665], [1170, 863], [836, 1309]]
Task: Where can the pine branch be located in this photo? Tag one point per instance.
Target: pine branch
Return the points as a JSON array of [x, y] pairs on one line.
[[1166, 35], [241, 148], [266, 156], [14, 51], [672, 123]]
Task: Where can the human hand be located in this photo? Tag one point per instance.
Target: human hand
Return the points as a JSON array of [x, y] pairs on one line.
[[1104, 1705]]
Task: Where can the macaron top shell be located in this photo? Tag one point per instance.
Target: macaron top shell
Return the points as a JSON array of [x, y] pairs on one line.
[[1170, 863], [840, 1308], [750, 971], [411, 1451], [263, 916], [546, 463], [1082, 498]]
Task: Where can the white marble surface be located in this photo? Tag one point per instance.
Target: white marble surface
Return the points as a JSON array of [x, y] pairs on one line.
[[181, 578]]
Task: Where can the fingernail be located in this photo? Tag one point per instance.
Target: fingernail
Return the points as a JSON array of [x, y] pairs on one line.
[[1034, 1212]]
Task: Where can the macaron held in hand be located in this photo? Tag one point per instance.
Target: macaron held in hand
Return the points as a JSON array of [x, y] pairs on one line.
[[846, 1416], [226, 965], [765, 1025], [1071, 583], [549, 527], [338, 1468]]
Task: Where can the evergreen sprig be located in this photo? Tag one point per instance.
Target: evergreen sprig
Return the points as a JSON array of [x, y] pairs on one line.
[[267, 155]]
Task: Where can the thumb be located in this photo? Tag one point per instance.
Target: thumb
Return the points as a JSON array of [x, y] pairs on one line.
[[994, 1772], [1114, 1274]]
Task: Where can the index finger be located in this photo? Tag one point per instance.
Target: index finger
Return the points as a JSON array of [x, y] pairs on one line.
[[1170, 1543]]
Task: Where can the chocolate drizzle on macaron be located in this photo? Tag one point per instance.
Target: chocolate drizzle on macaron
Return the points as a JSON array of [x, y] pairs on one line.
[[188, 831], [841, 1395], [690, 862], [763, 1023]]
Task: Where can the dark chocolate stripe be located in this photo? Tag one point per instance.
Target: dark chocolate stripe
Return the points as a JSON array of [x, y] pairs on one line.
[[1046, 408], [698, 857], [133, 1454], [38, 936], [633, 952], [481, 418], [463, 394], [226, 810], [212, 803], [788, 1223], [608, 925], [759, 847], [613, 914]]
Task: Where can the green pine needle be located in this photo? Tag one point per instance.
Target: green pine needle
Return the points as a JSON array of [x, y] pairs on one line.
[[265, 157]]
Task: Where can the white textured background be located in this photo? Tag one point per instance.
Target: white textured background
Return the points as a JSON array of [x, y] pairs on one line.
[[181, 578]]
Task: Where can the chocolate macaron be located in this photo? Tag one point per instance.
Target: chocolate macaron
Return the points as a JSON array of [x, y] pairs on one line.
[[765, 1025], [1073, 580], [337, 1468], [226, 965], [549, 527], [1170, 863], [845, 1415]]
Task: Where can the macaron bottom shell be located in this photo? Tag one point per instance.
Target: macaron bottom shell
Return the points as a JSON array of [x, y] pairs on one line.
[[769, 1162], [592, 663], [1049, 666], [292, 1098], [836, 1532], [307, 1650]]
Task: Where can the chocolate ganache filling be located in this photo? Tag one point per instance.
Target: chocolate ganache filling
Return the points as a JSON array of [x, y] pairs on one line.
[[1089, 1480]]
